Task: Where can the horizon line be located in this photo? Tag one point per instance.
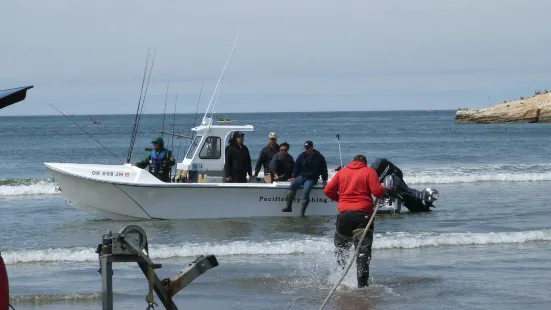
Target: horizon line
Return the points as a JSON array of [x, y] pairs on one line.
[[231, 113]]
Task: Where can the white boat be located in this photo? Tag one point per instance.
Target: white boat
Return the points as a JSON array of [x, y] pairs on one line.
[[124, 192]]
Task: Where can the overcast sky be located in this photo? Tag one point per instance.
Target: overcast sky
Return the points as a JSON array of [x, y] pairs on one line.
[[88, 57]]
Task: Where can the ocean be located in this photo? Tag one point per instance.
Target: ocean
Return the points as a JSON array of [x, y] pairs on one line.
[[485, 246]]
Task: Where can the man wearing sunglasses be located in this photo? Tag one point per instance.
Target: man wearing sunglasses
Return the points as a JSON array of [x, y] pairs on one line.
[[282, 164]]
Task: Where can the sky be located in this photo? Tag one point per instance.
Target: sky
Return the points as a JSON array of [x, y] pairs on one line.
[[88, 57]]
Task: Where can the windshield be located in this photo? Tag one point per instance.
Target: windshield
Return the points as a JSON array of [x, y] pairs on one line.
[[193, 147]]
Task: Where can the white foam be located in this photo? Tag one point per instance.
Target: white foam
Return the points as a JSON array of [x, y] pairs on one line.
[[41, 187], [422, 175], [397, 240], [474, 174], [474, 178]]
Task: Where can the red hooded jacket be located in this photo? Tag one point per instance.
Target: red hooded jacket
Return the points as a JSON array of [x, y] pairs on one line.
[[353, 186]]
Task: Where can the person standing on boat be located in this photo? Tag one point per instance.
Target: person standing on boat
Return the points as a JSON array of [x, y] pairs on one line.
[[282, 164], [160, 161], [309, 166], [265, 157], [352, 188], [237, 161]]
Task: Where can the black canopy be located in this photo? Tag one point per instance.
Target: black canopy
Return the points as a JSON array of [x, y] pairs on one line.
[[13, 95]]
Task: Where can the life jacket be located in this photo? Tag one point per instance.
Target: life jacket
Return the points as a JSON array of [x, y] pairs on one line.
[[4, 286], [158, 164]]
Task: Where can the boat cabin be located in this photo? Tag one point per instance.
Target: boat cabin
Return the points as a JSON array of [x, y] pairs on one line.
[[204, 160]]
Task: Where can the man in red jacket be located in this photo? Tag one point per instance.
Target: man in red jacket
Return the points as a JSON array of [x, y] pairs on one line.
[[352, 187]]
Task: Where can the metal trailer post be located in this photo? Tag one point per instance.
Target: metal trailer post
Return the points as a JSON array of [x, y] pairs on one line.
[[128, 246]]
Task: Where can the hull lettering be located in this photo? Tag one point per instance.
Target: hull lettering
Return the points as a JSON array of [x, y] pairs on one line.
[[296, 200]]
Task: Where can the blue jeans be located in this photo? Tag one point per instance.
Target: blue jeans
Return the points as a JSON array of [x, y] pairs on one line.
[[308, 184]]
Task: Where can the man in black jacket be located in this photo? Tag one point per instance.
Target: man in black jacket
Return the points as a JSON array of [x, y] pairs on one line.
[[282, 164], [237, 161], [265, 157], [309, 166]]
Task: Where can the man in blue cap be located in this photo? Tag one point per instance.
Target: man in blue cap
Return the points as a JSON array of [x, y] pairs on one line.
[[309, 166], [160, 161]]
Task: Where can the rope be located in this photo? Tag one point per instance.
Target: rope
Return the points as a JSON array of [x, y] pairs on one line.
[[354, 256]]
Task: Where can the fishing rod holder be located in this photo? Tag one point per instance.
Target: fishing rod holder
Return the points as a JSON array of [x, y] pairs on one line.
[[130, 245]]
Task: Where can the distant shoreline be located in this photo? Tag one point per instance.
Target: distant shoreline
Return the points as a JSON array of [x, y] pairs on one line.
[[535, 109]]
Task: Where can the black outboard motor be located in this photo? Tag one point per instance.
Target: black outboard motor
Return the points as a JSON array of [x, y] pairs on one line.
[[414, 200]]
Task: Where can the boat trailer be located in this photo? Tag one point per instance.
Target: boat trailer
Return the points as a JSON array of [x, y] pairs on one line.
[[128, 245]]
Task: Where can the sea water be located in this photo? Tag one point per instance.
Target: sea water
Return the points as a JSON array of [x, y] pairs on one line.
[[485, 246]]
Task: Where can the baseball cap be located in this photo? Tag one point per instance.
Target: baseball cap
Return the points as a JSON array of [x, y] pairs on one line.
[[238, 134], [308, 144], [272, 135], [360, 157]]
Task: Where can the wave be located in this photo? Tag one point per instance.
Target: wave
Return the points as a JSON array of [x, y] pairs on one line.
[[44, 298], [424, 175], [390, 240], [28, 186], [475, 174]]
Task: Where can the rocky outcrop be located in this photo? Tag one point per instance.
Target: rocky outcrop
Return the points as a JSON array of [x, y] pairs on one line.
[[535, 109]]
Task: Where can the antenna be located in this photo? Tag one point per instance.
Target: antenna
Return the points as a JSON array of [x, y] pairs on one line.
[[216, 100], [220, 78]]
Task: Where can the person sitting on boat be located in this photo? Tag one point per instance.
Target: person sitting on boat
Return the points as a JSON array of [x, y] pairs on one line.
[[309, 166], [238, 160], [160, 161], [282, 164], [265, 157], [352, 188]]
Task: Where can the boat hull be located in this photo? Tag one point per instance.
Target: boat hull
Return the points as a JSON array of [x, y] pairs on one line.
[[141, 196]]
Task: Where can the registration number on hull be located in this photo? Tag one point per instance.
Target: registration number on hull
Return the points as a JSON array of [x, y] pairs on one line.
[[110, 174]]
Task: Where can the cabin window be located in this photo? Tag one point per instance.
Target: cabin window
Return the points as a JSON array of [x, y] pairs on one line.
[[193, 147], [212, 148]]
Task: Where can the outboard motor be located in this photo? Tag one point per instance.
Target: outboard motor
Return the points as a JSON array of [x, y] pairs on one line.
[[393, 178]]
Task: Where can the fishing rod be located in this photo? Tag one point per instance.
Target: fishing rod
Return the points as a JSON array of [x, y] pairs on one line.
[[145, 94], [137, 110], [175, 134], [192, 135], [174, 120], [164, 113], [116, 157], [141, 104], [339, 142], [198, 100]]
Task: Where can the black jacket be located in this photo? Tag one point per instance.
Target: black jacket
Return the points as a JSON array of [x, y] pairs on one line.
[[265, 157], [237, 162], [311, 166], [283, 165]]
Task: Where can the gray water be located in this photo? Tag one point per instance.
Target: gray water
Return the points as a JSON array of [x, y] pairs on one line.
[[485, 245]]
